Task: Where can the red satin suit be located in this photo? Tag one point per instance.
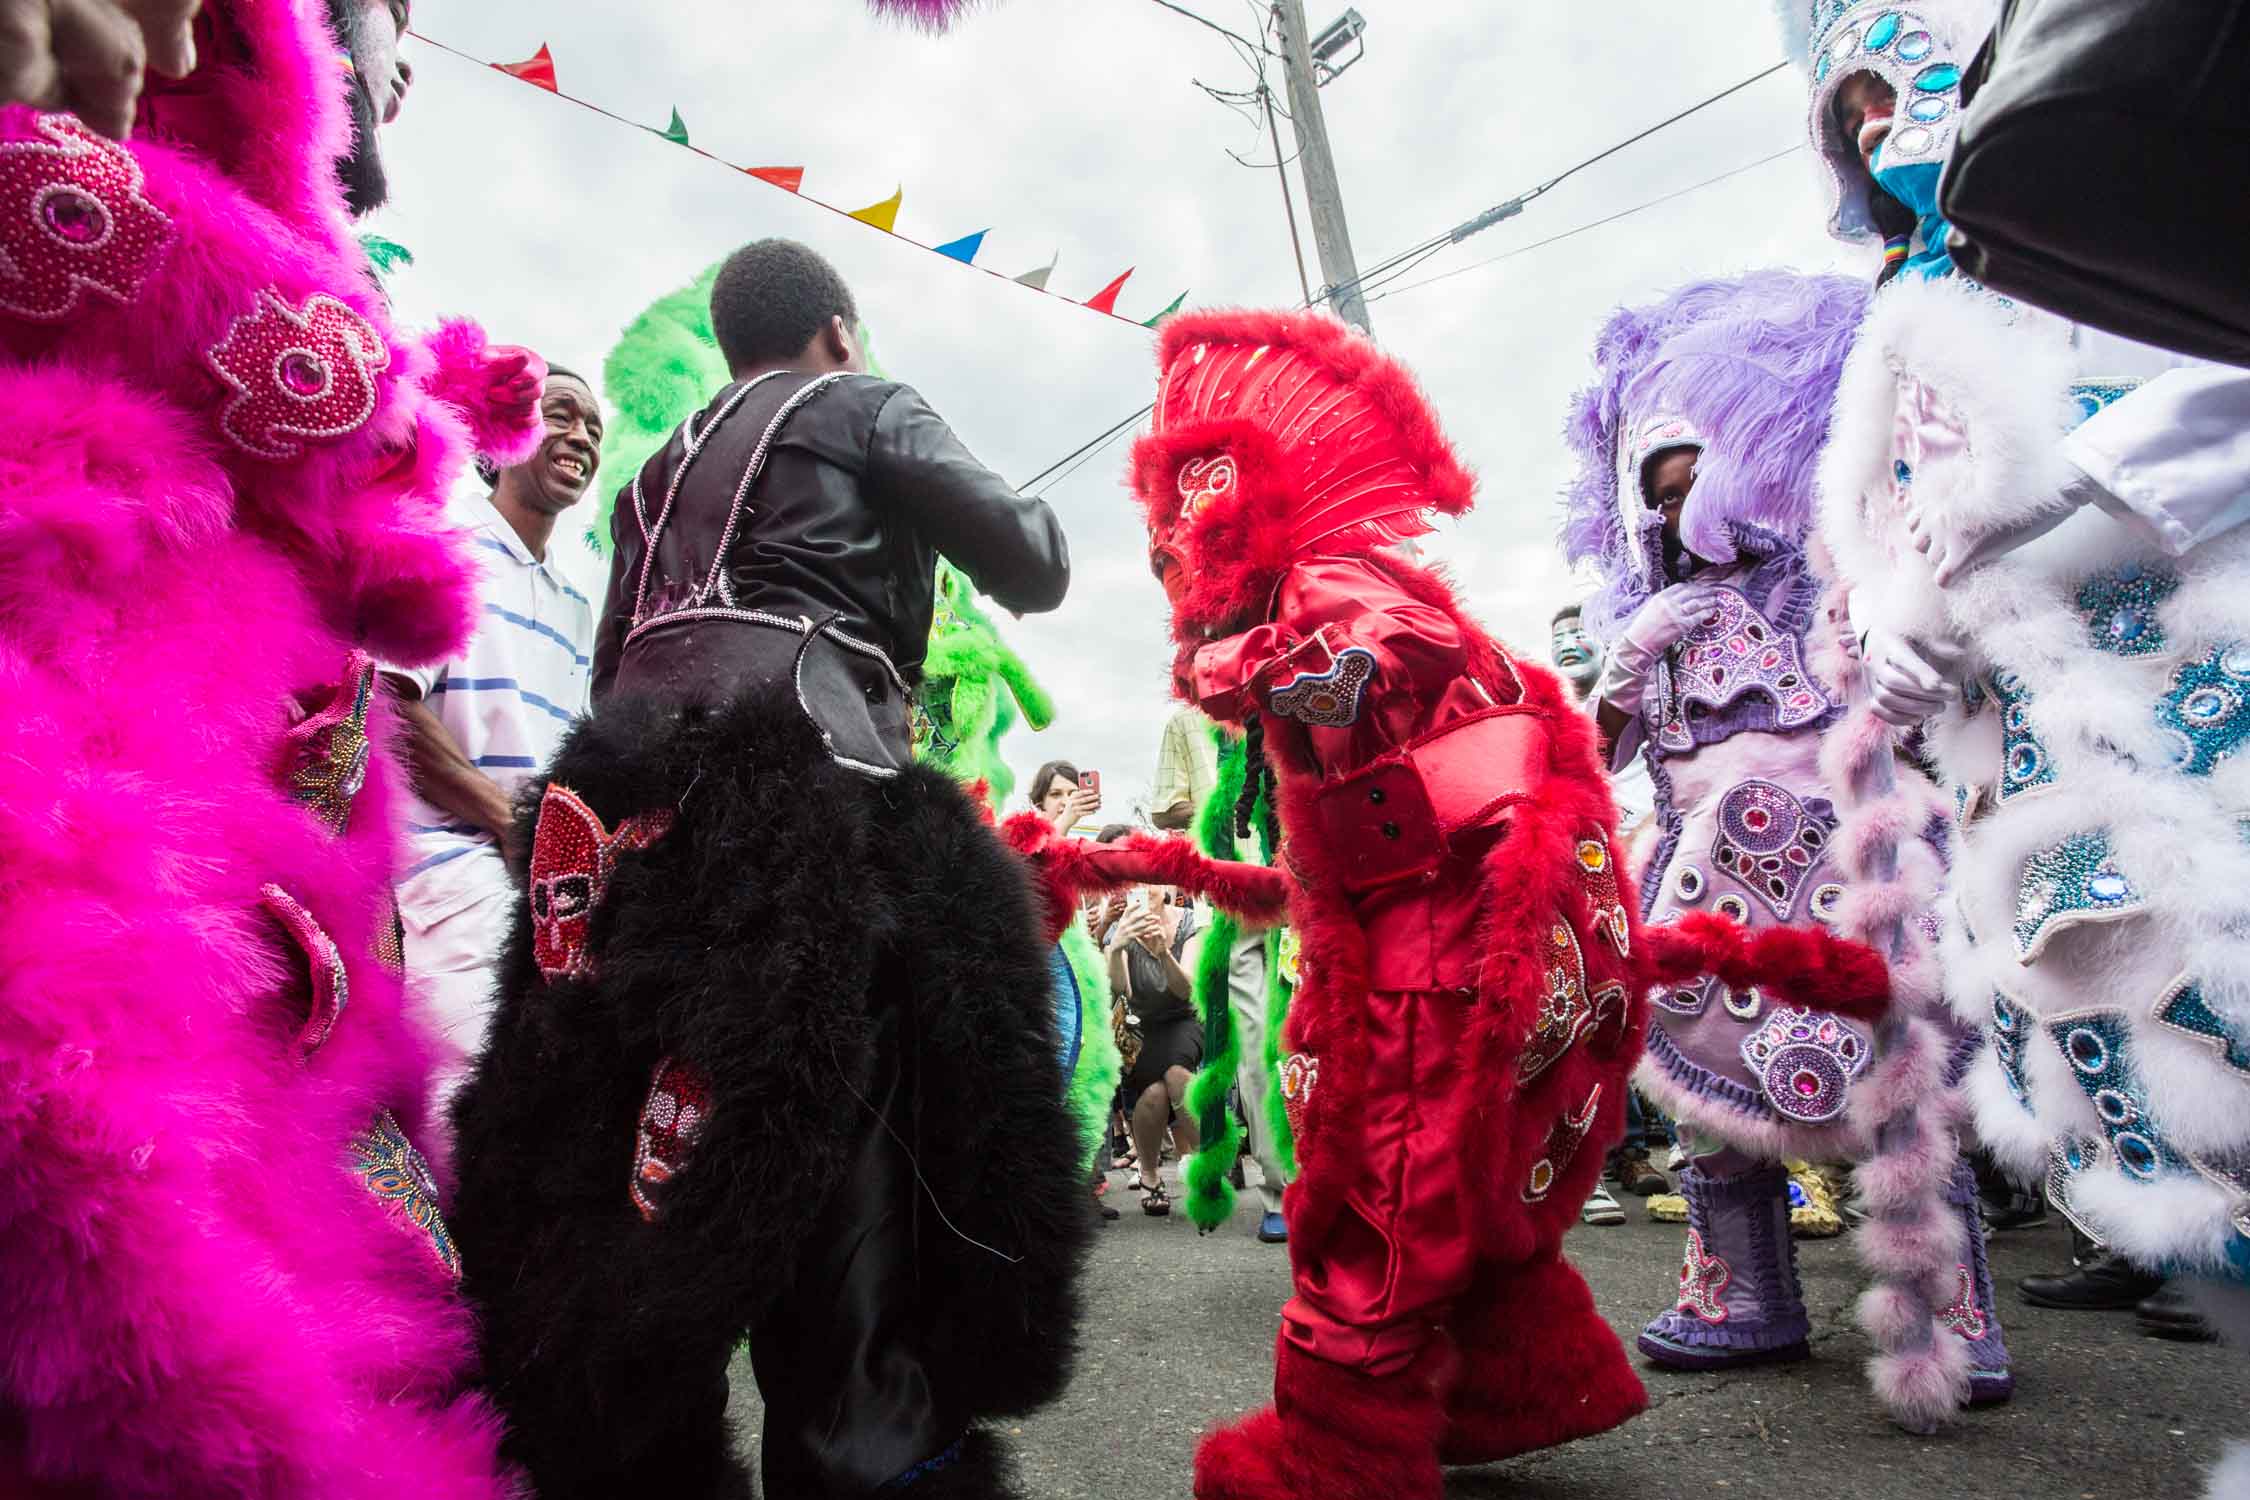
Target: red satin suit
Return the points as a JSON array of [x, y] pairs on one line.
[[1460, 1045]]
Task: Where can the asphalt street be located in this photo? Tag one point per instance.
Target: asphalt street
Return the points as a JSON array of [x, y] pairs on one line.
[[1180, 1335]]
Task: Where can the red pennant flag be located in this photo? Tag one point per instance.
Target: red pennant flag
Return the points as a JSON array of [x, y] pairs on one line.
[[538, 70], [789, 179], [1105, 300]]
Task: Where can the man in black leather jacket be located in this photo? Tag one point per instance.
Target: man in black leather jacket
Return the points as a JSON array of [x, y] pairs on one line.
[[775, 1053], [801, 513]]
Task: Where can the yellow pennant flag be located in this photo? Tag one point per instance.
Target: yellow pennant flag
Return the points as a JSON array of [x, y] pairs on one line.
[[883, 215]]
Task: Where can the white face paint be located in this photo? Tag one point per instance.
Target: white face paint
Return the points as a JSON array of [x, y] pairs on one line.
[[373, 36]]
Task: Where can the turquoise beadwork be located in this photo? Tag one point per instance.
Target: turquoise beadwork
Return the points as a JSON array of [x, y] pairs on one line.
[[2074, 882], [2098, 1045], [1929, 111], [2025, 766], [1937, 78], [2184, 1010], [2120, 608], [1915, 45], [2207, 713], [1883, 32], [2011, 1034]]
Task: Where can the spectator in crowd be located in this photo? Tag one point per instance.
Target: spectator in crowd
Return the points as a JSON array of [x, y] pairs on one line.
[[482, 724], [1187, 775], [1187, 770], [1057, 792], [1148, 971]]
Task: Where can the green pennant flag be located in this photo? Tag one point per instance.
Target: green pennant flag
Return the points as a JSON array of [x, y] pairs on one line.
[[676, 132], [1160, 317]]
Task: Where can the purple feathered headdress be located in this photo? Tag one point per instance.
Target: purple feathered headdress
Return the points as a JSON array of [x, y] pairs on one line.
[[1752, 365]]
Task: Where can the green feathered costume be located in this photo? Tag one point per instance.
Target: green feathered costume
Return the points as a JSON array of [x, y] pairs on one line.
[[974, 688], [1210, 1196]]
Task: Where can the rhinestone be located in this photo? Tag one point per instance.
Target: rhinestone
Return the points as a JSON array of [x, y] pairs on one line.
[[74, 217], [303, 374]]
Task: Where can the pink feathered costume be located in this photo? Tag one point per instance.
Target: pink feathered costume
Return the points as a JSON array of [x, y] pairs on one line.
[[222, 1269]]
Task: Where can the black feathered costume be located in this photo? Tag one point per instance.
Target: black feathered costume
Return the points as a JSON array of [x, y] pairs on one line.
[[775, 1049]]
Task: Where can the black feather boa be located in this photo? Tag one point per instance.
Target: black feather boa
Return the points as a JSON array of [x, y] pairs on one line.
[[792, 907]]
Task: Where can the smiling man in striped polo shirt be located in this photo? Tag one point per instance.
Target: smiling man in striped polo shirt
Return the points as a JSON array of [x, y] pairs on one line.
[[478, 726]]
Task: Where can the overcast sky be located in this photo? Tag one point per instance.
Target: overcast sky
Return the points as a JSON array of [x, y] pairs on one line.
[[1075, 126]]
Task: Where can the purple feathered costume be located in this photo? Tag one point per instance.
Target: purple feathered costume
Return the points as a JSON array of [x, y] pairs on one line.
[[1734, 727]]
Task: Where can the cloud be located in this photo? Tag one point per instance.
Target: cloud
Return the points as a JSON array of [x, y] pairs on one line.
[[1072, 126]]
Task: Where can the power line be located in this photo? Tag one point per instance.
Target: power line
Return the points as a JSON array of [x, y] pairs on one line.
[[1405, 262], [1085, 449], [1513, 206], [1596, 224]]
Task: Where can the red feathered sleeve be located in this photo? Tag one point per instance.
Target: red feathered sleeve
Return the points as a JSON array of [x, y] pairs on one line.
[[1068, 869]]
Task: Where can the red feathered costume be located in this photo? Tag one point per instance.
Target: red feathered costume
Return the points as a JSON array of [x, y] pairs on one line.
[[1473, 984]]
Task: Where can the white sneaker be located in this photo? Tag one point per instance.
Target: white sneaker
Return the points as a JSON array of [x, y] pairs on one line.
[[1602, 1208], [1676, 1160]]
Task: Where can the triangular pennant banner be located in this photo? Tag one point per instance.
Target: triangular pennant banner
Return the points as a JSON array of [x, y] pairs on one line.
[[538, 69], [790, 179], [1105, 300], [1160, 317], [965, 248], [676, 132], [883, 215], [1037, 280]]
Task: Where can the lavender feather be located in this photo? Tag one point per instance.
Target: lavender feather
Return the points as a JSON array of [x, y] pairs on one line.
[[1758, 379], [1779, 321]]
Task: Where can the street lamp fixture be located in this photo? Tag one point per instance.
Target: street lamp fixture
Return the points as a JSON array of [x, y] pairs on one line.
[[1347, 31]]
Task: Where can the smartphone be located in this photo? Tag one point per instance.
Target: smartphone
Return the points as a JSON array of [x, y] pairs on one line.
[[1090, 781]]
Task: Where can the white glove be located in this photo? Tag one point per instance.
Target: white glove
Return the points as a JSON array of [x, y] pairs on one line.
[[1953, 552], [1655, 629], [1908, 678]]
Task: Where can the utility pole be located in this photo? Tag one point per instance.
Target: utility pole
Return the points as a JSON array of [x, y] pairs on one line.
[[1324, 199]]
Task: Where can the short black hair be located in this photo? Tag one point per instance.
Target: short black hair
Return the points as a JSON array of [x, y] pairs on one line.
[[1567, 612], [567, 373], [1111, 833], [772, 297]]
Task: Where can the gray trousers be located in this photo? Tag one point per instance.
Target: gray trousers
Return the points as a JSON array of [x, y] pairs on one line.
[[1246, 997]]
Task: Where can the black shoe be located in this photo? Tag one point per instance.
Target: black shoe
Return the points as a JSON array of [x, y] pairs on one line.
[[2170, 1314], [2024, 1211], [2106, 1283]]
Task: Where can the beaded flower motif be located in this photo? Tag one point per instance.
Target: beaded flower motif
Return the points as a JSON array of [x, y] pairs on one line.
[[297, 374], [1805, 1062], [73, 220]]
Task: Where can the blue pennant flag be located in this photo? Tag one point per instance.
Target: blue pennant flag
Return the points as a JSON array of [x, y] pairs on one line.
[[965, 248]]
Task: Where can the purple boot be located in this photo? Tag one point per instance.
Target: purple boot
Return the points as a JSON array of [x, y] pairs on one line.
[[1973, 1314], [1740, 1302]]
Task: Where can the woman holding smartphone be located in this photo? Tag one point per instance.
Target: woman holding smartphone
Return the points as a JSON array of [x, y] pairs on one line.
[[1147, 970]]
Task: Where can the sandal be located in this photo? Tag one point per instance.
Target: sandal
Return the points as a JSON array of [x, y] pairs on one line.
[[1155, 1202]]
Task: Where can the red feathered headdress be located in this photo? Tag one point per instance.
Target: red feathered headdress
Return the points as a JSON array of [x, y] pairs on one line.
[[1277, 437]]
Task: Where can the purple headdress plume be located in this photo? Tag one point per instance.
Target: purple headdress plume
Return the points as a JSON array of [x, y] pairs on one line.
[[1752, 363], [928, 15]]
